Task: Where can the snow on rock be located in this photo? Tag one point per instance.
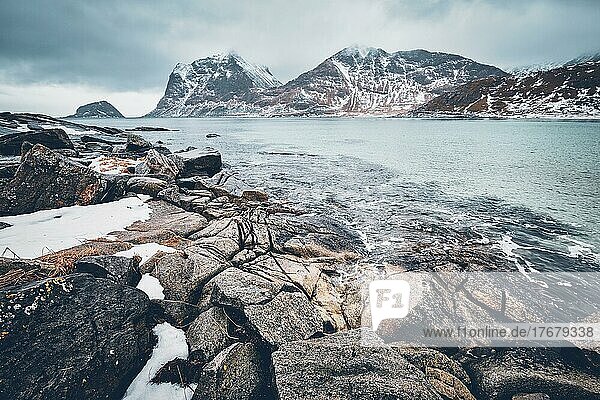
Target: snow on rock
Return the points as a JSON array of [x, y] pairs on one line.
[[215, 85], [41, 232], [145, 251], [171, 344], [112, 165], [151, 286], [148, 284]]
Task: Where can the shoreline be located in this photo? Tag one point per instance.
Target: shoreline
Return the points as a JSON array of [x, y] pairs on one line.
[[253, 287]]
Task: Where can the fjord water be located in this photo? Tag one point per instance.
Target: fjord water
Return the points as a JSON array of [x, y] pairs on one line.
[[527, 189]]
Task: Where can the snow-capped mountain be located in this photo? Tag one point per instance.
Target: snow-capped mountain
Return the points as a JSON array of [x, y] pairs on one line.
[[353, 81], [217, 85], [97, 109], [572, 90], [371, 81]]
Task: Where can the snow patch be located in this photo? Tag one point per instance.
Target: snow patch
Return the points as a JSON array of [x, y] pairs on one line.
[[151, 286], [41, 232], [145, 251], [171, 344]]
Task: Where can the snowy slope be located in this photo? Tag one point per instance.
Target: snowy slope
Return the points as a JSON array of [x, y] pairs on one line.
[[570, 91], [371, 81], [353, 81], [217, 85]]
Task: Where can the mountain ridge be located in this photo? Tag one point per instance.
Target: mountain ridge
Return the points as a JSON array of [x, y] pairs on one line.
[[355, 80]]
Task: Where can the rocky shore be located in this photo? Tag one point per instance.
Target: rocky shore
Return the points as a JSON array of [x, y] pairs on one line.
[[172, 279]]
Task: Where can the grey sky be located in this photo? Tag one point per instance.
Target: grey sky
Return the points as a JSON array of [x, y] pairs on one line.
[[56, 54]]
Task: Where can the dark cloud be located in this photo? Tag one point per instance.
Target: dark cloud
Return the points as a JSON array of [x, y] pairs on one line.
[[133, 45]]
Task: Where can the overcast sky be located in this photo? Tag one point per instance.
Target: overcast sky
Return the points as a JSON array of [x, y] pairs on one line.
[[58, 54]]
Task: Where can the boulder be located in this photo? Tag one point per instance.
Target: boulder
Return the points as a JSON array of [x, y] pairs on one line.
[[340, 367], [200, 162], [237, 373], [97, 139], [288, 317], [445, 374], [177, 313], [156, 163], [10, 145], [236, 288], [168, 217], [47, 180], [146, 185], [183, 275], [503, 373], [255, 195], [137, 144], [122, 270], [208, 335], [170, 195], [77, 337]]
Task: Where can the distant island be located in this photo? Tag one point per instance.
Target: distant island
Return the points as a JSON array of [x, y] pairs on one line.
[[97, 109]]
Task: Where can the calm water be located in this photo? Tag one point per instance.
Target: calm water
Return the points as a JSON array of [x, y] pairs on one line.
[[529, 189]]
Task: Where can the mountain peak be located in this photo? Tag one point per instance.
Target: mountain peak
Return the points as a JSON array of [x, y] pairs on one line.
[[359, 51]]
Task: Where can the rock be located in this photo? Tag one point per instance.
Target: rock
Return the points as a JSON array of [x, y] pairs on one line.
[[193, 183], [288, 317], [98, 147], [167, 217], [340, 367], [200, 162], [48, 180], [226, 184], [255, 195], [122, 270], [170, 195], [156, 163], [76, 337], [503, 373], [71, 153], [531, 396], [208, 335], [9, 166], [97, 139], [314, 236], [150, 129], [10, 145], [443, 373], [178, 372], [184, 275], [237, 373], [137, 144], [177, 313], [146, 185], [236, 288]]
